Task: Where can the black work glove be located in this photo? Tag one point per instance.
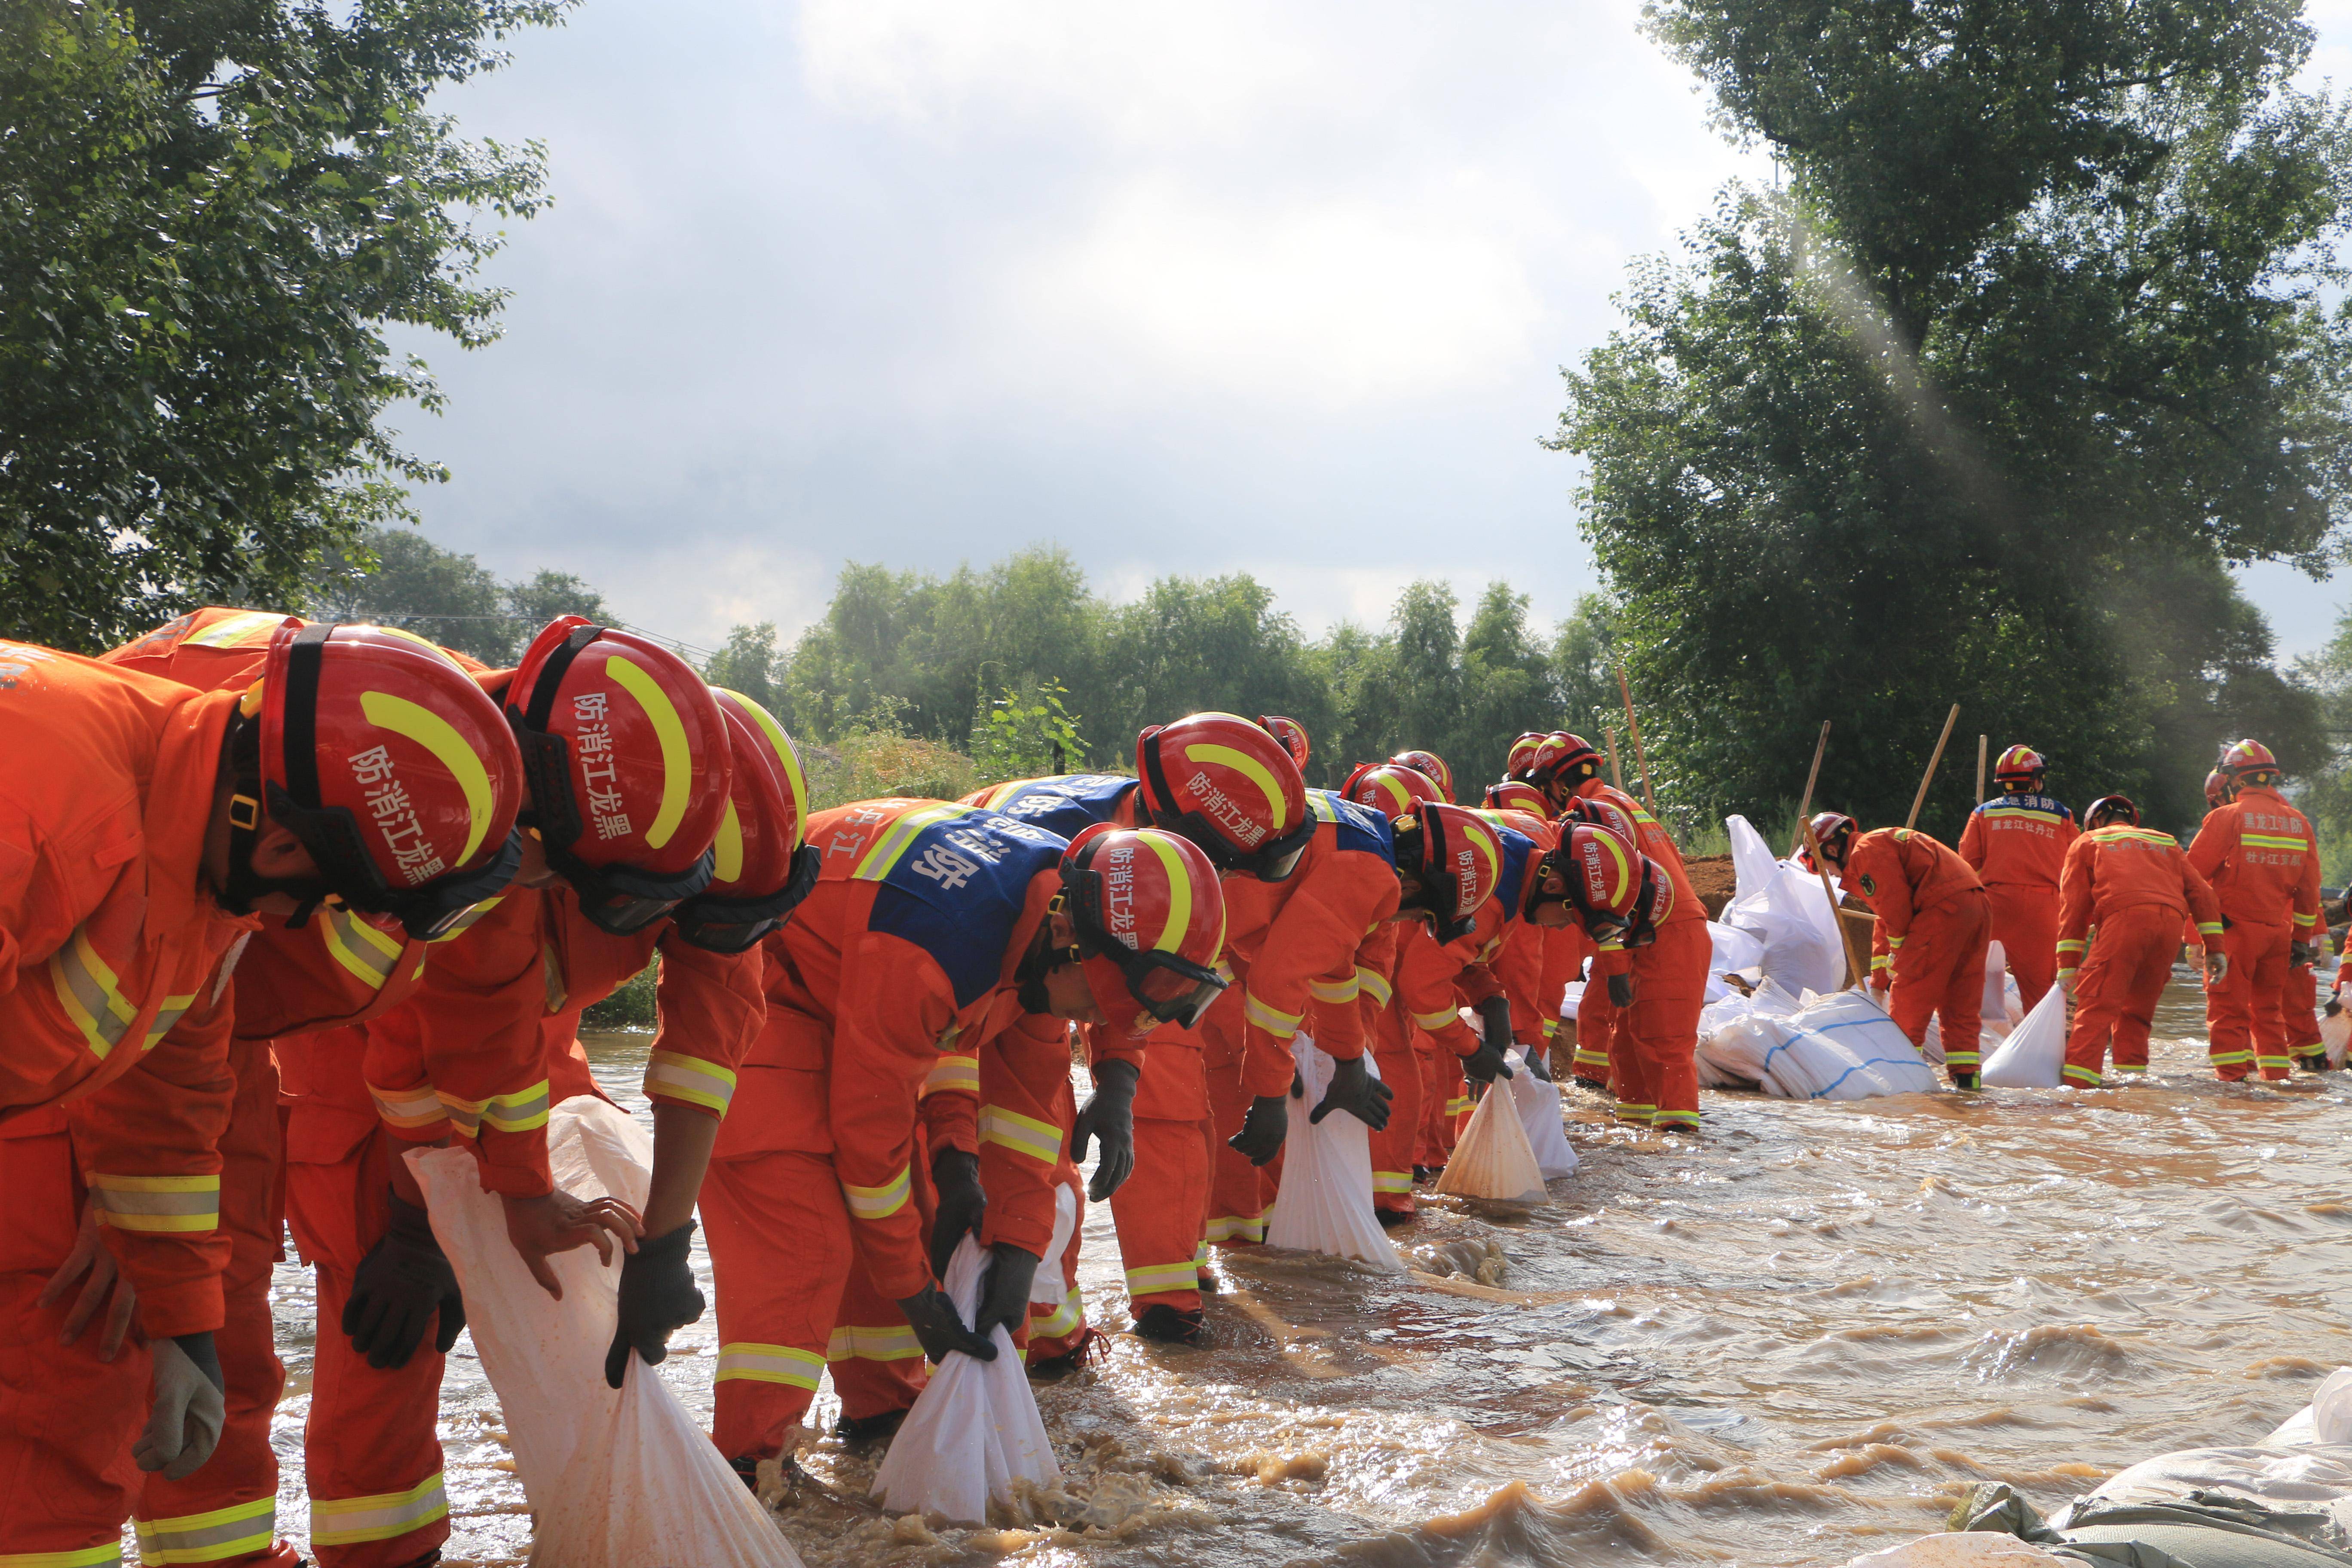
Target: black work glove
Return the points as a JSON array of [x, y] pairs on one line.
[[962, 1205], [1109, 1115], [1005, 1297], [1620, 990], [1539, 1064], [397, 1287], [1494, 1021], [1356, 1091], [1486, 1064], [939, 1330], [2302, 955], [1263, 1130], [658, 1295]]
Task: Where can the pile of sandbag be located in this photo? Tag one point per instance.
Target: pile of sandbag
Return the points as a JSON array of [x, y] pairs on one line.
[[1842, 1047], [1781, 907]]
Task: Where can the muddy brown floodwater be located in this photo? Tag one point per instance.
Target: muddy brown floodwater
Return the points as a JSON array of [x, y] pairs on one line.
[[1802, 1339]]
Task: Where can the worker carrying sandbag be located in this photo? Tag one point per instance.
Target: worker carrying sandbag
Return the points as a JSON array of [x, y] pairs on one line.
[[2134, 885], [936, 934], [1393, 790], [1608, 810], [1652, 956], [148, 828], [2261, 856], [2017, 842], [1933, 926]]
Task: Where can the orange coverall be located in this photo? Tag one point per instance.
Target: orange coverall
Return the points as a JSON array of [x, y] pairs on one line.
[[897, 972], [2134, 886], [115, 1085], [1933, 927], [1654, 1050], [2017, 845], [2263, 859]]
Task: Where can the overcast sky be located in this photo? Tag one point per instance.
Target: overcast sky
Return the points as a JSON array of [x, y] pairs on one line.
[[1193, 287]]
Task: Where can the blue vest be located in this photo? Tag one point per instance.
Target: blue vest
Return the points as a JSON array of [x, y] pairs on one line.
[[1358, 828], [1069, 804], [2045, 807], [954, 881]]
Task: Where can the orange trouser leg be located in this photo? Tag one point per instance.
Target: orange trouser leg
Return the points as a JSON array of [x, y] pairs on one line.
[[1159, 1210], [2298, 1012], [1394, 1146], [1659, 1034], [1939, 974], [67, 1418], [2117, 991], [1055, 1332], [1428, 1143], [1596, 1032], [370, 1450], [2242, 1014], [227, 1511], [1452, 1086], [1240, 1191], [2025, 923], [875, 1361], [781, 1261]]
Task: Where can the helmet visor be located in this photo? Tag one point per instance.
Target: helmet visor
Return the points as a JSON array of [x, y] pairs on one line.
[[733, 925], [1158, 988]]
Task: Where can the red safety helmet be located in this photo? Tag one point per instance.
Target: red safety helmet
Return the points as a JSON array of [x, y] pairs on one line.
[[1229, 786], [1523, 751], [2217, 788], [1834, 832], [2248, 762], [390, 765], [629, 766], [1608, 881], [1430, 764], [1454, 855], [1564, 760], [760, 870], [1151, 919], [2020, 764], [1392, 789], [1292, 734], [1601, 812], [2111, 808], [1513, 794]]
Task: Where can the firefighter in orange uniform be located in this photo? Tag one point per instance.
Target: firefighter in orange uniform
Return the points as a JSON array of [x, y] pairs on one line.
[[1932, 930], [2263, 859], [361, 767], [2134, 886], [935, 932], [1430, 766], [1399, 1047], [1608, 810], [2017, 842]]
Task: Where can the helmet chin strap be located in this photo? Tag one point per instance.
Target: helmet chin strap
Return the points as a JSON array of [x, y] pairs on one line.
[[245, 886]]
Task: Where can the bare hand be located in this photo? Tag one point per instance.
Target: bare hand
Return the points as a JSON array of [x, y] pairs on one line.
[[543, 1226], [89, 1256]]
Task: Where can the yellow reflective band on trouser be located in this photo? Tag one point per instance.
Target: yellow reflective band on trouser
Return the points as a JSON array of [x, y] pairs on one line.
[[1674, 1119], [2208, 927], [747, 1362], [410, 1108], [1061, 1319], [2089, 1076], [873, 1341], [370, 954], [1041, 1140], [1459, 1105], [1391, 1181], [1960, 1058], [520, 1111], [156, 1203], [1333, 992], [2229, 1058], [2274, 1064], [1588, 1056], [1237, 1227], [2129, 1067], [1158, 1276], [1273, 1020], [673, 1075], [348, 1522], [1436, 1020], [107, 1556], [233, 1531], [1628, 1112], [879, 1203], [954, 1074], [1371, 983]]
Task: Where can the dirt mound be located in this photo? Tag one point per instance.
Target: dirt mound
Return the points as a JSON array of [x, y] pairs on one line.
[[1712, 880]]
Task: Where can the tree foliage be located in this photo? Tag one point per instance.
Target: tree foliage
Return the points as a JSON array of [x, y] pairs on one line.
[[2037, 338], [397, 577], [209, 214]]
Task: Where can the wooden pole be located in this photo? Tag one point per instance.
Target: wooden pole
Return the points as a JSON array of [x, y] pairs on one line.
[[1805, 807], [1981, 741], [1845, 934], [1929, 776], [1616, 780], [1648, 798]]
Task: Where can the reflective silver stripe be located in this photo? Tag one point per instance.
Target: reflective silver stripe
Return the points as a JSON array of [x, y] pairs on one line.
[[232, 1531], [174, 1009], [1041, 1140], [872, 1341], [107, 1556], [156, 1203], [348, 1522], [672, 1075], [518, 1112], [769, 1363], [86, 988], [359, 947]]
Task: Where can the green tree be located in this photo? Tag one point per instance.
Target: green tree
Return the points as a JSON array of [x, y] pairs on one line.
[[209, 214], [2036, 340], [1028, 735], [1584, 668], [750, 663], [406, 579], [547, 593], [1194, 644]]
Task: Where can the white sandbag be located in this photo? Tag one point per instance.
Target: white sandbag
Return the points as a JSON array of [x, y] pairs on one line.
[[1539, 1103], [1734, 950], [1048, 1289], [2336, 1034], [1325, 1203], [1964, 1548], [2312, 1478], [1843, 1047], [1994, 1004], [616, 1480], [1753, 862], [1737, 1033], [1788, 914], [975, 1429], [2035, 1051], [2326, 1419], [1492, 1159]]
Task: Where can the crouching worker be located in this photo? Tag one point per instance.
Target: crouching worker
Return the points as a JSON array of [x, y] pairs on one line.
[[144, 827], [1934, 925], [2134, 886], [936, 934]]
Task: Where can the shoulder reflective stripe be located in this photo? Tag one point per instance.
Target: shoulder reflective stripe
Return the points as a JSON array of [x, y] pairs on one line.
[[747, 1362], [1065, 1318], [1273, 1020], [550, 973], [1371, 983], [1334, 991], [348, 1522], [228, 632], [1041, 1140], [1157, 1277], [518, 1112], [1438, 1019], [879, 1203], [409, 1108], [457, 927], [438, 736], [673, 1075], [873, 1341], [678, 759], [156, 1203], [86, 988], [895, 841], [234, 1531], [1321, 805], [954, 1074], [359, 947], [107, 1556]]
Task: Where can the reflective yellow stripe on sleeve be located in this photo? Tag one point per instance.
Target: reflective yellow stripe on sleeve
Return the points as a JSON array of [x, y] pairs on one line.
[[349, 1521], [156, 1203], [882, 1202], [407, 1108], [1333, 992], [953, 1074], [368, 954], [2208, 927], [522, 1111], [1371, 983], [1040, 1141], [1438, 1019], [236, 1531], [673, 1075], [1273, 1020]]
